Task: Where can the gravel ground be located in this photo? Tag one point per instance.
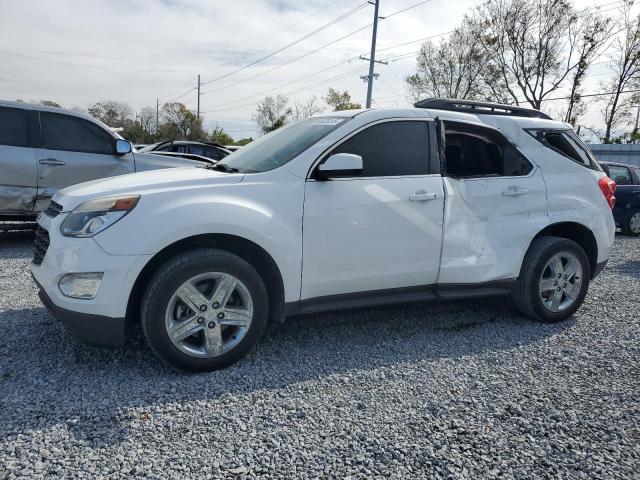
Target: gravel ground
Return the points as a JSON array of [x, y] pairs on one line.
[[451, 390]]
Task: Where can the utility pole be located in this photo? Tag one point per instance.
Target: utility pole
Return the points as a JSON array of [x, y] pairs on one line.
[[372, 59], [635, 130], [157, 114], [198, 97]]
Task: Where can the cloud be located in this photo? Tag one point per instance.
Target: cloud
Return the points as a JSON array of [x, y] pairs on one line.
[[78, 53]]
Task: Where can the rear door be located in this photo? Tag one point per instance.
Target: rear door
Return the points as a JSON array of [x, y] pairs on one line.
[[18, 172], [380, 230], [75, 150], [495, 204]]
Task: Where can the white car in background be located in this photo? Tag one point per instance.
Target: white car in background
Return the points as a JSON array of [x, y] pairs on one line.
[[449, 200]]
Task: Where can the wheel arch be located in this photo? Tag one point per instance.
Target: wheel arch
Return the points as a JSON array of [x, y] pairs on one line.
[[579, 234], [248, 250]]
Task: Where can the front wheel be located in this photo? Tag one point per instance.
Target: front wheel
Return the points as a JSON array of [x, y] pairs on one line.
[[554, 279], [204, 309]]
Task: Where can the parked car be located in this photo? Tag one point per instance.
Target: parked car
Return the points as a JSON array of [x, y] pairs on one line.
[[140, 146], [627, 210], [233, 148], [349, 209], [188, 156], [210, 150], [43, 149]]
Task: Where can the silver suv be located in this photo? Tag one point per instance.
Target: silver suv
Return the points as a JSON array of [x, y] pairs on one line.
[[44, 149]]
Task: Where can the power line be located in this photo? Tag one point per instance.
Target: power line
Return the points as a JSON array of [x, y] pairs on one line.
[[290, 27], [290, 61], [265, 92], [591, 95], [313, 51], [182, 95], [297, 91], [289, 45]]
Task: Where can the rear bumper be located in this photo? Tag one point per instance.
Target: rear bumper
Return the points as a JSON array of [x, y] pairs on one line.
[[86, 327]]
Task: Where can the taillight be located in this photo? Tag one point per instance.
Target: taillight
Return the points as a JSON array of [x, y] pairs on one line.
[[608, 188]]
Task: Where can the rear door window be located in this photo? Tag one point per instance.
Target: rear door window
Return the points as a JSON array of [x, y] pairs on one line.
[[473, 151], [567, 143], [14, 127], [69, 133], [620, 175], [205, 151]]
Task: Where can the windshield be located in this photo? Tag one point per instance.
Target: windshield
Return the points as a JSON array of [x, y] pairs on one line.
[[283, 145]]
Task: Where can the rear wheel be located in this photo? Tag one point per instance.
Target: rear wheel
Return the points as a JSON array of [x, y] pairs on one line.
[[204, 310], [554, 279], [632, 225]]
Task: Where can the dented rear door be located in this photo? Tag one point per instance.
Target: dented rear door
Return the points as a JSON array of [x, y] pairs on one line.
[[18, 167]]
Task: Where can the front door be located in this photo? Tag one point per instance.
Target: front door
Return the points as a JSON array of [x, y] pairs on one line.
[[496, 204], [75, 150], [381, 230]]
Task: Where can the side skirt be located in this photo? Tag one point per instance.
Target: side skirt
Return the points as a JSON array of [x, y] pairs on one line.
[[376, 298]]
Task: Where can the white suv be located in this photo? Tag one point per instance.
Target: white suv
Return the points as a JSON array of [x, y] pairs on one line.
[[448, 200]]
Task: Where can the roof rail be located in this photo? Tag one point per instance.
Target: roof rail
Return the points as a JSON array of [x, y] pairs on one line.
[[471, 106]]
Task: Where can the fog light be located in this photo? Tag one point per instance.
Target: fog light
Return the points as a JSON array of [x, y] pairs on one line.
[[80, 285]]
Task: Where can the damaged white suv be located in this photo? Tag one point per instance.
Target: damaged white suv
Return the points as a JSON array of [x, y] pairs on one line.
[[448, 200]]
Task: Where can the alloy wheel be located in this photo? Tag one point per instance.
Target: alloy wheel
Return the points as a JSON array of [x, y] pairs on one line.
[[561, 282], [209, 314]]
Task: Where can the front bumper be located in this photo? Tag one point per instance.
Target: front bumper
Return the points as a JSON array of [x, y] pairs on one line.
[[100, 320], [94, 329]]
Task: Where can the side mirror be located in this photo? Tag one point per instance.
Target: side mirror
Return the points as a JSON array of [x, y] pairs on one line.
[[340, 165], [122, 147]]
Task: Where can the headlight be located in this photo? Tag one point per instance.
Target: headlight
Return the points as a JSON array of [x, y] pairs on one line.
[[94, 216]]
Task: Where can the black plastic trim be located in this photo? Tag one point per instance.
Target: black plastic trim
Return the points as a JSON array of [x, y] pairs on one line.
[[599, 267], [479, 108], [376, 298], [88, 328]]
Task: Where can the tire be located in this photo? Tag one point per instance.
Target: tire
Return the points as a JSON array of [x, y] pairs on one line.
[[538, 267], [631, 225], [211, 338]]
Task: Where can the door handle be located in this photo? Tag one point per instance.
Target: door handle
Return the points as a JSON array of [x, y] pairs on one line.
[[51, 161], [513, 191], [422, 196]]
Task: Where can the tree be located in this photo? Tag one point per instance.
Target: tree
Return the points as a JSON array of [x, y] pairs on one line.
[[593, 32], [111, 112], [148, 123], [625, 64], [180, 123], [532, 46], [272, 113], [219, 136], [50, 103], [305, 110], [452, 69], [340, 101]]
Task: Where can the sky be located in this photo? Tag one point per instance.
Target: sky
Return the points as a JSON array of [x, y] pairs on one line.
[[138, 51]]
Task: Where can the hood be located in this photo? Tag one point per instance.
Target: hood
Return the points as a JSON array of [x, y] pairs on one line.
[[153, 181]]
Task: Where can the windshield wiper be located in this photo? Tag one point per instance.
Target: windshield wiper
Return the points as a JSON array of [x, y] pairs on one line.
[[221, 167]]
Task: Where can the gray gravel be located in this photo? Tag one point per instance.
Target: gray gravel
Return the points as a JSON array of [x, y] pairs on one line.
[[450, 390]]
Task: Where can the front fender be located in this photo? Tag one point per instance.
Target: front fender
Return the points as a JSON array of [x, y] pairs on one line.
[[274, 222]]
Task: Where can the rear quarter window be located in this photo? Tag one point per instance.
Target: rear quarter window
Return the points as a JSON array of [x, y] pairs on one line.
[[566, 143]]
